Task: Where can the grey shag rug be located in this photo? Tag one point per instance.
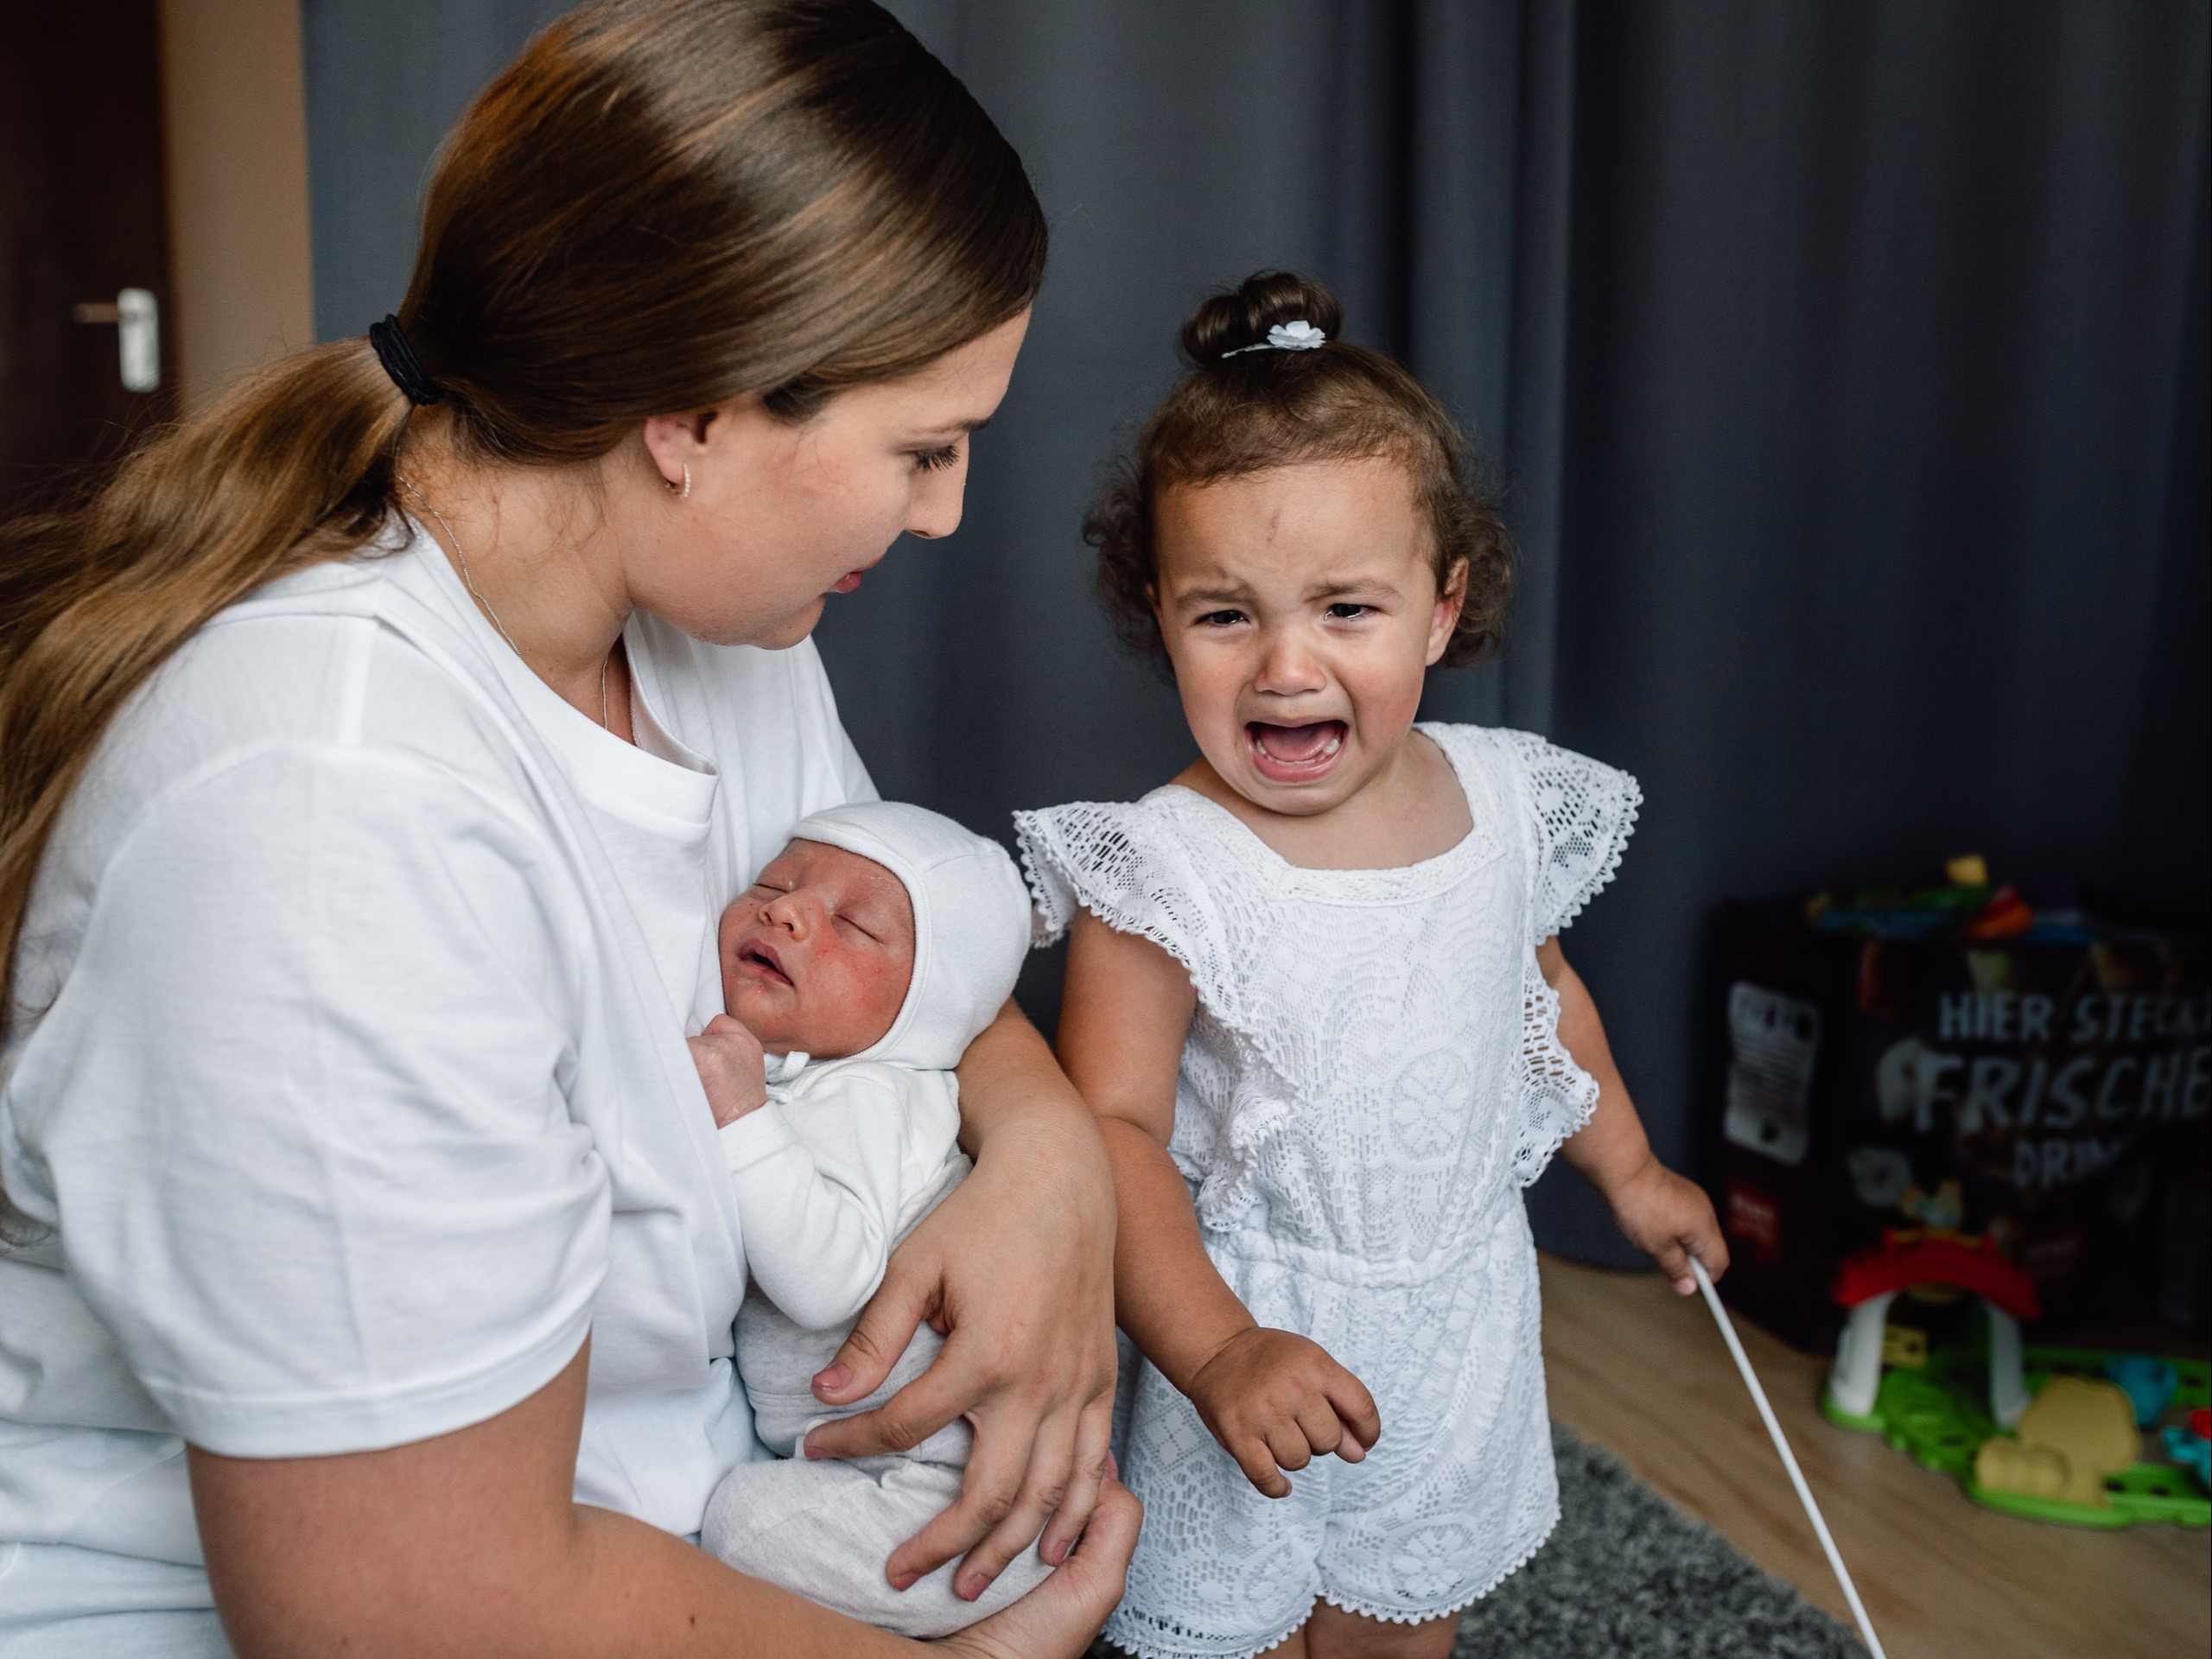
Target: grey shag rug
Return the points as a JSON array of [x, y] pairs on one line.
[[1627, 1576]]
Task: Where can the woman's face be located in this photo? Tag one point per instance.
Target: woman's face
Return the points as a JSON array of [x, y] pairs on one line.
[[780, 515]]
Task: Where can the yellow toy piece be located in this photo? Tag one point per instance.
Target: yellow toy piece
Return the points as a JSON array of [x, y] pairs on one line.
[[1902, 1346], [2005, 1466], [1940, 1213], [2074, 1434]]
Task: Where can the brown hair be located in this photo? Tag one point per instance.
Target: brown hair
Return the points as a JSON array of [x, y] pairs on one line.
[[660, 206], [1240, 411]]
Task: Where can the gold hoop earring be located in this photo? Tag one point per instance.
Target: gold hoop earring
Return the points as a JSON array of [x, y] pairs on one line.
[[681, 492]]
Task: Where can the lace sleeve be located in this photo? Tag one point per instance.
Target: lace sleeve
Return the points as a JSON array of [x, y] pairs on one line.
[[1557, 1096], [1581, 812], [1112, 861]]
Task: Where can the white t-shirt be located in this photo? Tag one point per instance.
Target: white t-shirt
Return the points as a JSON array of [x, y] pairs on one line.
[[356, 1091]]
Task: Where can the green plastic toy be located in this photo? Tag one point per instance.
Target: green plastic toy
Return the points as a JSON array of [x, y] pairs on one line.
[[1955, 1403], [1938, 1413]]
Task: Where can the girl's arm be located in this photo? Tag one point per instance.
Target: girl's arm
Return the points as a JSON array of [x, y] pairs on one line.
[[1273, 1399], [469, 1546], [1016, 1268], [1667, 1218]]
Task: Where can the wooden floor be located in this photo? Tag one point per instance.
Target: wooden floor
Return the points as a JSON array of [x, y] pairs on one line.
[[1642, 1372]]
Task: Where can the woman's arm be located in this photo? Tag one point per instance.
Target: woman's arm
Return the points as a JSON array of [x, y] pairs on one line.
[[470, 1546], [1273, 1399], [1016, 1267], [1661, 1213]]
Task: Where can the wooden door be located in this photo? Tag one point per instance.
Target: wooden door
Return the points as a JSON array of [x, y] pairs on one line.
[[82, 219]]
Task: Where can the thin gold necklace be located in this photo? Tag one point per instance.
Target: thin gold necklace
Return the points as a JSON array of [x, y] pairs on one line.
[[477, 593]]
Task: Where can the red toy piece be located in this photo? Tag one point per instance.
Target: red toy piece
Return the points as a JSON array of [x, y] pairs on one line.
[[1869, 1281], [1904, 1259]]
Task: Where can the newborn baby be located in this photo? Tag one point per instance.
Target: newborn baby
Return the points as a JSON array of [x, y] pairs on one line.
[[878, 942]]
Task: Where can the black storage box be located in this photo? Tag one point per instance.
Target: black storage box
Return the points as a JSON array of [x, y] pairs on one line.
[[1877, 1069]]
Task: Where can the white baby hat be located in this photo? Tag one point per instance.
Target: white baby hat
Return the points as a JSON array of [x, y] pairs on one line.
[[971, 924]]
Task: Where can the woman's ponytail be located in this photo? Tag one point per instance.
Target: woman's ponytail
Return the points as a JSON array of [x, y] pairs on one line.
[[291, 467], [783, 198]]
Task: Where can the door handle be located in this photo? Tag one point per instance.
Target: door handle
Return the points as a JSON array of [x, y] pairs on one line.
[[138, 318]]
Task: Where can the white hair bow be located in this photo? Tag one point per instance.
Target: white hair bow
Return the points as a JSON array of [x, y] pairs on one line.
[[1298, 336]]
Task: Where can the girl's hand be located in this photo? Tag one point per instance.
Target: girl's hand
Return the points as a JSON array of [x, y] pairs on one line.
[[1670, 1220], [731, 1069], [1058, 1619], [1276, 1401], [1016, 1267]]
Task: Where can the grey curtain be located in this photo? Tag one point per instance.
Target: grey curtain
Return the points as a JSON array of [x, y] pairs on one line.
[[1844, 362]]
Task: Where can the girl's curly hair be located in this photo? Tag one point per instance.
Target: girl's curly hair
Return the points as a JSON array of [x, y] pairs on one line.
[[1239, 412]]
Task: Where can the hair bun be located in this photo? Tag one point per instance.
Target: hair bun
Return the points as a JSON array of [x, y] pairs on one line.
[[1230, 322]]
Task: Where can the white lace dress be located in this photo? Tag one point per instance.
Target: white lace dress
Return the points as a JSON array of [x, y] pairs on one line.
[[1372, 1076]]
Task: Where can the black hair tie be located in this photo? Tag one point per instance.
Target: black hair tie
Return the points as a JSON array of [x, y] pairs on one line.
[[402, 364]]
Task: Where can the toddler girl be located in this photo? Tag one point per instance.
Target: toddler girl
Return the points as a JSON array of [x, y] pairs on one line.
[[864, 960], [1315, 996]]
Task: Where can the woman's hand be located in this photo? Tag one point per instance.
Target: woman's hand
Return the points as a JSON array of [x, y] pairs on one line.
[[1058, 1619], [1016, 1268], [1276, 1401]]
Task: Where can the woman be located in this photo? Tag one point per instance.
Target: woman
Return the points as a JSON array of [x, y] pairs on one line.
[[377, 749]]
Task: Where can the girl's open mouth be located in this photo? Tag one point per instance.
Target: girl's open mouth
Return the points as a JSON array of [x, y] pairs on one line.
[[1294, 755], [846, 583]]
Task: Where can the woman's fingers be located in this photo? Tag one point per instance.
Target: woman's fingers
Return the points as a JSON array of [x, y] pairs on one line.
[[1094, 1460], [1058, 1619], [880, 1336], [992, 1481], [1049, 1470], [899, 1424]]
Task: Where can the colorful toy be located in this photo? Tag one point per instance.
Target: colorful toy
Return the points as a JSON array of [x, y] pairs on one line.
[[2190, 1445], [1870, 1282], [2073, 1437], [1948, 1401], [2150, 1385]]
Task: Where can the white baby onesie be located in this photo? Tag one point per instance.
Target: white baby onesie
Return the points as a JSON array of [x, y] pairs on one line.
[[846, 1158], [1372, 1076], [830, 1175]]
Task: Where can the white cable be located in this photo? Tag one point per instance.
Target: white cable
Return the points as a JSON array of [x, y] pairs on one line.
[[1789, 1459]]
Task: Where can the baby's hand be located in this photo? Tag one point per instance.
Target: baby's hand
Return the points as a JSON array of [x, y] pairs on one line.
[[1670, 1220], [1275, 1401], [731, 1068]]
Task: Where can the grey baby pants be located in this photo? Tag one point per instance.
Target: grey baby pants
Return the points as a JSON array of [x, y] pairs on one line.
[[825, 1528]]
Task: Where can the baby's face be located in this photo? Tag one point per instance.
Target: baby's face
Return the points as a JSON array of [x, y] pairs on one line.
[[817, 953]]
